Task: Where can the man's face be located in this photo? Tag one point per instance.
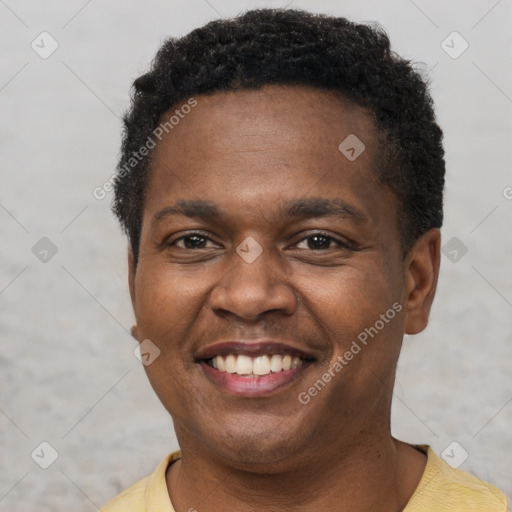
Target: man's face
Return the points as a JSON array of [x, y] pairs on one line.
[[259, 159]]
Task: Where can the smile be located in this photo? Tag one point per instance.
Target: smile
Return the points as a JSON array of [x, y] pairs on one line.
[[257, 366], [253, 368], [250, 377]]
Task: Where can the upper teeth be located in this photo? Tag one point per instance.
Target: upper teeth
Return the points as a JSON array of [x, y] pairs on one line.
[[259, 365]]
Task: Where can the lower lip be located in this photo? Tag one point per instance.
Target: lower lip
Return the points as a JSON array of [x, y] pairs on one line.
[[252, 386]]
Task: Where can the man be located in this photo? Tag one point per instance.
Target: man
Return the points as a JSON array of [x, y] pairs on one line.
[[281, 186]]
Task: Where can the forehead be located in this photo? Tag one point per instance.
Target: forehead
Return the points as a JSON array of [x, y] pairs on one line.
[[305, 118], [251, 134]]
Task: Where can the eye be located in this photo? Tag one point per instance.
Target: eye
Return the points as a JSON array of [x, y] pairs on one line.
[[321, 241], [191, 241]]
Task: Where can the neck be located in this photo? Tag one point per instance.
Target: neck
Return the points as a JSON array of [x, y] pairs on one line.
[[378, 473]]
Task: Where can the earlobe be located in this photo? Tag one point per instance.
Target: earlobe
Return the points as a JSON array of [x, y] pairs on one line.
[[422, 272]]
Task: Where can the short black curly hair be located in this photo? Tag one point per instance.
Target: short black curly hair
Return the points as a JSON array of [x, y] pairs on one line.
[[294, 47]]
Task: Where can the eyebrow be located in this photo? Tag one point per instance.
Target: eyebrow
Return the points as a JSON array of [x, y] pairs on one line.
[[198, 209], [314, 207], [297, 209]]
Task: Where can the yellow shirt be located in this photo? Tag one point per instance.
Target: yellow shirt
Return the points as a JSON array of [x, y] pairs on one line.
[[441, 489]]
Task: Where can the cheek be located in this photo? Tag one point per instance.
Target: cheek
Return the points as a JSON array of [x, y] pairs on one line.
[[348, 299], [347, 307], [166, 310], [372, 319], [165, 300]]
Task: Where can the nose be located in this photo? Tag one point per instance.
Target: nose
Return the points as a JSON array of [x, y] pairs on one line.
[[250, 289]]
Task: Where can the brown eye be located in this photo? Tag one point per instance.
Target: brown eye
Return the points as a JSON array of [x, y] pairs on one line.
[[320, 241], [192, 241]]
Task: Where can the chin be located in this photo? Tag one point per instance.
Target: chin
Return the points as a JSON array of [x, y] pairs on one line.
[[256, 450]]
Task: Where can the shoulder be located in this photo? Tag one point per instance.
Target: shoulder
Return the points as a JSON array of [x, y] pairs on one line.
[[149, 490], [444, 488], [133, 497]]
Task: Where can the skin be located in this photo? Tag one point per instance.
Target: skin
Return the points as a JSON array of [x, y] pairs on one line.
[[250, 152]]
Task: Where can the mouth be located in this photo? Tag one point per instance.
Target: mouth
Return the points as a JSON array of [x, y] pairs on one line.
[[258, 366], [255, 369]]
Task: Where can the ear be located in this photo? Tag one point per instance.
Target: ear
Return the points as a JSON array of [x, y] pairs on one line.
[[421, 274], [131, 274], [131, 284]]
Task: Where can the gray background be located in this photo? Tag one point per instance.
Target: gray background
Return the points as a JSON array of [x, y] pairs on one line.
[[69, 376]]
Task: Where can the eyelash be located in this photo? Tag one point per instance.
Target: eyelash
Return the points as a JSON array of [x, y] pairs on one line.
[[340, 243]]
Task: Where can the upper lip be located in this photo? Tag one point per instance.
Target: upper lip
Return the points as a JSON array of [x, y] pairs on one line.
[[252, 348]]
